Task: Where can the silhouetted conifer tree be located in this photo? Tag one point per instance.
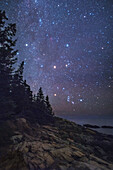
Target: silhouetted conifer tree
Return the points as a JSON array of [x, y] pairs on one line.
[[28, 92], [48, 105], [34, 98], [7, 60], [19, 73], [40, 95], [15, 94], [7, 54], [18, 89]]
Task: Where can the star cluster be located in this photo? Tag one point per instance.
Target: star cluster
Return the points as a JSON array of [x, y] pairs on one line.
[[67, 47]]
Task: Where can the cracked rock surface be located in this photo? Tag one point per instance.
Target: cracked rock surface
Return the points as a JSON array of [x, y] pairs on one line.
[[63, 145]]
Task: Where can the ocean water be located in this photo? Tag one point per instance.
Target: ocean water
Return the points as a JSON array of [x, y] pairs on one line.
[[100, 121]]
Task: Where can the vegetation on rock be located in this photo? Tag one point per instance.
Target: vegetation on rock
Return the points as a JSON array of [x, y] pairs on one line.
[[16, 97]]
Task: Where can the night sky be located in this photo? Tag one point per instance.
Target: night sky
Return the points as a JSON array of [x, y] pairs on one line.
[[67, 46]]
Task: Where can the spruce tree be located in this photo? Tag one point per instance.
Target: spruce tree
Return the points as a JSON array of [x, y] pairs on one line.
[[40, 95], [7, 54], [7, 60], [48, 105], [18, 89], [15, 93], [28, 92], [21, 90], [19, 73], [47, 101]]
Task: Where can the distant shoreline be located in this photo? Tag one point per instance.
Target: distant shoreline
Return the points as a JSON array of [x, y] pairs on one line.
[[97, 127], [104, 125]]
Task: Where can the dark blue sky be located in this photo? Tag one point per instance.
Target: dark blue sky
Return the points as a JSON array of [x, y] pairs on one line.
[[67, 47]]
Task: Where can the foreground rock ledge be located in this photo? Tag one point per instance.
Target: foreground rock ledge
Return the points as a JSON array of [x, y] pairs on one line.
[[63, 145]]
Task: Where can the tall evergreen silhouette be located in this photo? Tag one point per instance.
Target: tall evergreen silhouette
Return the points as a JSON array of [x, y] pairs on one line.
[[7, 54], [18, 89], [48, 105], [15, 94], [7, 60], [40, 95]]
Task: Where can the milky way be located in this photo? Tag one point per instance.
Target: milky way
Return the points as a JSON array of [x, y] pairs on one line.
[[67, 47]]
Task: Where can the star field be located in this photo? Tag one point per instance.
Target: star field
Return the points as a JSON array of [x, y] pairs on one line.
[[67, 47]]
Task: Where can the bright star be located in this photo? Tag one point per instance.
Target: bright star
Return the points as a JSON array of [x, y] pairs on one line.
[[67, 45], [26, 45]]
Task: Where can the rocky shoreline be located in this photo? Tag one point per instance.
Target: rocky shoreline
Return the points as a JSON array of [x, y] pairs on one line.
[[62, 145]]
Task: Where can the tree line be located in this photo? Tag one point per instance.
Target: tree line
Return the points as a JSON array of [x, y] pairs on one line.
[[16, 97]]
